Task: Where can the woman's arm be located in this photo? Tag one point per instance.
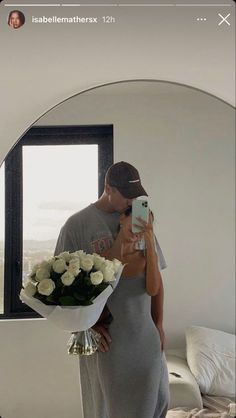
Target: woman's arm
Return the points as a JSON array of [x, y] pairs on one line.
[[153, 276], [157, 306], [157, 312]]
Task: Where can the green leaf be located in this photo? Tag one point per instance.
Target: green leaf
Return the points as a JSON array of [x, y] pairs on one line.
[[86, 303], [79, 297], [67, 301], [50, 298]]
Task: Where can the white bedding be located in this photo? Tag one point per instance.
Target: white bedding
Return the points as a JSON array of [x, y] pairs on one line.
[[210, 365], [211, 359], [195, 413], [213, 407]]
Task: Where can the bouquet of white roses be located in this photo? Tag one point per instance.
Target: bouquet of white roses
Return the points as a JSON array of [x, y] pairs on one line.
[[71, 290]]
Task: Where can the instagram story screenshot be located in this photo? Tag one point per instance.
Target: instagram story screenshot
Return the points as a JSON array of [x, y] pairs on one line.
[[117, 209]]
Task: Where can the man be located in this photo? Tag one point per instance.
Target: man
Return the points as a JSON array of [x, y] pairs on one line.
[[94, 229]]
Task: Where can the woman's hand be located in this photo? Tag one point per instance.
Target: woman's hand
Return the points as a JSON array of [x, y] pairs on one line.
[[125, 232], [146, 228]]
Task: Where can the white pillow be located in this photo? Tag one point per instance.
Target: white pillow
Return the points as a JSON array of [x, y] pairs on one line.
[[211, 359], [184, 390]]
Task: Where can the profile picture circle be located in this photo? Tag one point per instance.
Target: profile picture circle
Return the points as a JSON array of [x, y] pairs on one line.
[[16, 19]]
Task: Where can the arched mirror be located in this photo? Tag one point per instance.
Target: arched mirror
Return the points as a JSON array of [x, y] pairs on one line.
[[182, 142]]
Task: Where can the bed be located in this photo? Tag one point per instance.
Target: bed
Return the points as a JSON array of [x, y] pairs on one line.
[[202, 379]]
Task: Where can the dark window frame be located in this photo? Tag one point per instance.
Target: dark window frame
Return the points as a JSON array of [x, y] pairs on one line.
[[102, 135]]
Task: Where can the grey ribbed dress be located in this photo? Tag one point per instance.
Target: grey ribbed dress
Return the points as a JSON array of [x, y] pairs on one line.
[[131, 379]]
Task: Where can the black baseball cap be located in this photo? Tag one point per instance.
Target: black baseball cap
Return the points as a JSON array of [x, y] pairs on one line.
[[125, 177]]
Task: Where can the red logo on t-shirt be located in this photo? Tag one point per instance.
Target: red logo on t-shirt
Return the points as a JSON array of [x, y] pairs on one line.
[[101, 245]]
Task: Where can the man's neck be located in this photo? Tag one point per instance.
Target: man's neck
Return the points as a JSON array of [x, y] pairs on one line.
[[103, 204]]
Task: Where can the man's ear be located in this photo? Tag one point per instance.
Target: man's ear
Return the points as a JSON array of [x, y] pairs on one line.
[[107, 188]]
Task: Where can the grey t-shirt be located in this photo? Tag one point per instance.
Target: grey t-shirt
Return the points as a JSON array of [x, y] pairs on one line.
[[93, 230]]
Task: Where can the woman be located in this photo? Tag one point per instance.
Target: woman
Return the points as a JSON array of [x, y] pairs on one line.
[[16, 19], [132, 376]]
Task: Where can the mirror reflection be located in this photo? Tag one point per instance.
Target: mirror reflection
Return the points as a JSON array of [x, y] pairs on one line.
[[181, 140]]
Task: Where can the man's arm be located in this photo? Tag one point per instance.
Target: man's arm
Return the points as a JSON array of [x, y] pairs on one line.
[[116, 250], [101, 326], [157, 312]]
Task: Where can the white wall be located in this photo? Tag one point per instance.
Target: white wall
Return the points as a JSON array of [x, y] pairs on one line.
[[47, 65], [38, 378]]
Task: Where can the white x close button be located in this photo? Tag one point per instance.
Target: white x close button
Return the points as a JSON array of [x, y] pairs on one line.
[[223, 19]]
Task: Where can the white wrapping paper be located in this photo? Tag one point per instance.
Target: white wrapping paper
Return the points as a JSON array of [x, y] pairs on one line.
[[73, 318]]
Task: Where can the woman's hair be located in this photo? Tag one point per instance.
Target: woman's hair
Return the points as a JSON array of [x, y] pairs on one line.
[[20, 14], [128, 211]]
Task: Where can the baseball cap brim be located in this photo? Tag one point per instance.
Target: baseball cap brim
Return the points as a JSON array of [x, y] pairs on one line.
[[131, 192]]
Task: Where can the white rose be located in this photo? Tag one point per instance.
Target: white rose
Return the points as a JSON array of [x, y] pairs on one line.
[[75, 256], [86, 262], [74, 266], [42, 273], [75, 261], [96, 277], [35, 268], [46, 265], [109, 263], [65, 255], [30, 289], [98, 261], [28, 278], [59, 265], [67, 278], [108, 273], [80, 253], [46, 287], [51, 261], [116, 264]]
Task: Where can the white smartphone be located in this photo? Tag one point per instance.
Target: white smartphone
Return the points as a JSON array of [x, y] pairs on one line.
[[140, 209]]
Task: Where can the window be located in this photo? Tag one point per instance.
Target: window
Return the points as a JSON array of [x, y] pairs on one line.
[[49, 175]]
